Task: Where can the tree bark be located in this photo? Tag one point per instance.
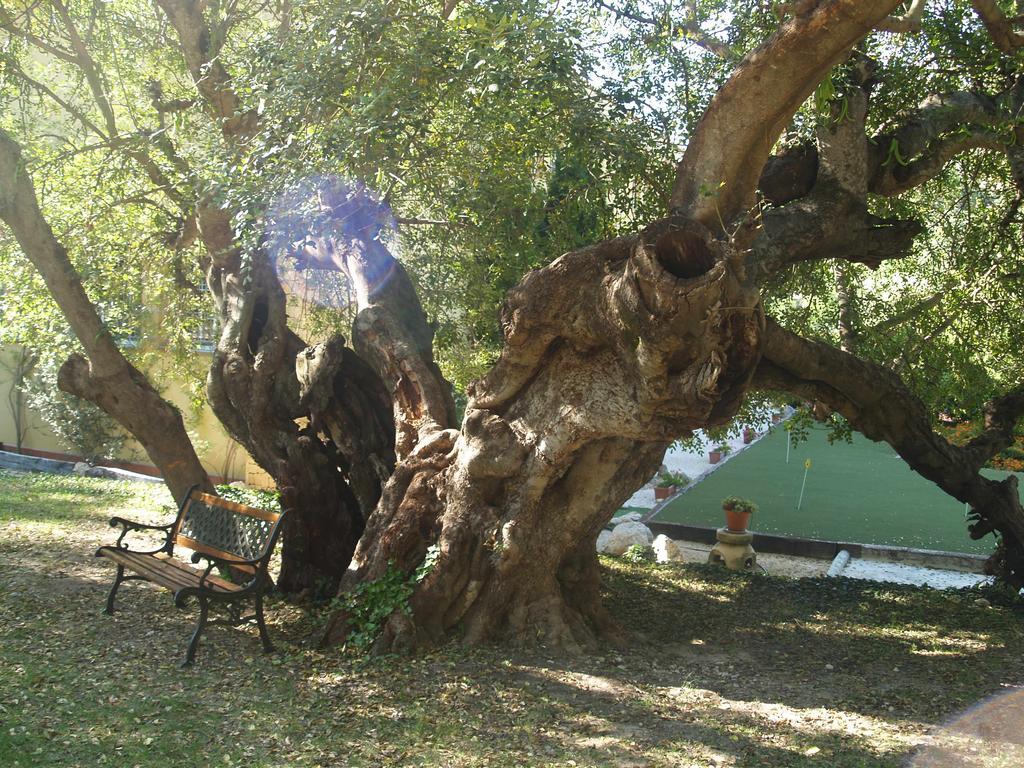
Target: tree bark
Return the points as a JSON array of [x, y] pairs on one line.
[[316, 419], [610, 353], [106, 378], [716, 178]]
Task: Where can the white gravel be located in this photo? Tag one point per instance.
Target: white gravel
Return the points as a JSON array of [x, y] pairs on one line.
[[898, 573], [869, 570]]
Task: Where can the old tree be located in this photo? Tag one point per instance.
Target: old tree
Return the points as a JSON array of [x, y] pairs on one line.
[[248, 138]]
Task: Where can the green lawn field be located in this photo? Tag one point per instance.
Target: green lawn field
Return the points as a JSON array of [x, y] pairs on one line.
[[859, 492]]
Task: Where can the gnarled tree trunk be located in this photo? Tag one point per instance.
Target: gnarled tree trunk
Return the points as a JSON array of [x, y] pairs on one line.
[[317, 419], [611, 352]]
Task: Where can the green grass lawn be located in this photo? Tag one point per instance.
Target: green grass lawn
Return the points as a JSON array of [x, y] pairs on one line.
[[858, 492], [721, 669]]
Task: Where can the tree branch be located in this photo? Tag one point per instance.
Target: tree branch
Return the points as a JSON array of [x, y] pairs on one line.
[[846, 297], [1000, 28], [717, 176], [64, 104], [19, 208], [828, 223], [201, 50], [391, 331], [8, 24], [909, 314], [107, 378], [943, 126], [85, 62], [893, 178], [908, 22], [448, 9], [128, 145], [405, 221], [690, 28]]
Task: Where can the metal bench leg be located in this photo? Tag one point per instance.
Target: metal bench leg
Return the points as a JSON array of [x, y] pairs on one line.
[[268, 647], [113, 590], [190, 655]]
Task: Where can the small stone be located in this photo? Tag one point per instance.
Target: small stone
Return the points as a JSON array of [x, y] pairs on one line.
[[666, 550], [602, 541], [981, 602], [101, 472], [80, 468], [812, 751], [829, 667], [626, 535]]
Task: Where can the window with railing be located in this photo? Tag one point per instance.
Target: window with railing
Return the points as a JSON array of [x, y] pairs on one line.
[[207, 333]]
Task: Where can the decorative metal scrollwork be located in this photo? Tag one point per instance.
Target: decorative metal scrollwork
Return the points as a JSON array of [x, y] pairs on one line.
[[239, 534]]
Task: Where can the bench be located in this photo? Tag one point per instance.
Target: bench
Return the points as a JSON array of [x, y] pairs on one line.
[[226, 535]]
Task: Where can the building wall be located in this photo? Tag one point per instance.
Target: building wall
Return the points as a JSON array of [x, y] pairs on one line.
[[220, 455]]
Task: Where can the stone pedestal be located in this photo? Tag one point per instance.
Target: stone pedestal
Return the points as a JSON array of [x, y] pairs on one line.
[[734, 550]]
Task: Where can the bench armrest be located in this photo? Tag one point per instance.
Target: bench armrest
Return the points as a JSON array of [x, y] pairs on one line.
[[132, 525], [128, 526], [212, 561]]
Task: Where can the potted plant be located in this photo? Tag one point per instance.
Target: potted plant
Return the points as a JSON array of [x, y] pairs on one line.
[[668, 483], [776, 417], [715, 454], [737, 513], [748, 435]]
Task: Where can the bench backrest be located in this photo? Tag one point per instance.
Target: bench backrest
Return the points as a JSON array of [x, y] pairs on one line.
[[225, 529]]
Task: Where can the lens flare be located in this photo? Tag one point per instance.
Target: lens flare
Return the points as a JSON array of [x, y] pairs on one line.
[[321, 228], [990, 733]]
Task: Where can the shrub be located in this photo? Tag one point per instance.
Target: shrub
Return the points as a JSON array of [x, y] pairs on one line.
[[666, 479], [251, 497], [639, 553]]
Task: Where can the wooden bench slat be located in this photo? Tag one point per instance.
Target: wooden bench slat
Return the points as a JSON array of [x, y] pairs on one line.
[[211, 579], [156, 571], [165, 572], [198, 546], [146, 566]]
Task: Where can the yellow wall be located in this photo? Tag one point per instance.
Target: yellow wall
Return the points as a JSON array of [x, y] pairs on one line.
[[218, 452]]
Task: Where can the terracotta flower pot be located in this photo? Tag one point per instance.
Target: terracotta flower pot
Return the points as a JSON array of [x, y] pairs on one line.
[[662, 492], [748, 436], [776, 418], [714, 456], [736, 521]]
